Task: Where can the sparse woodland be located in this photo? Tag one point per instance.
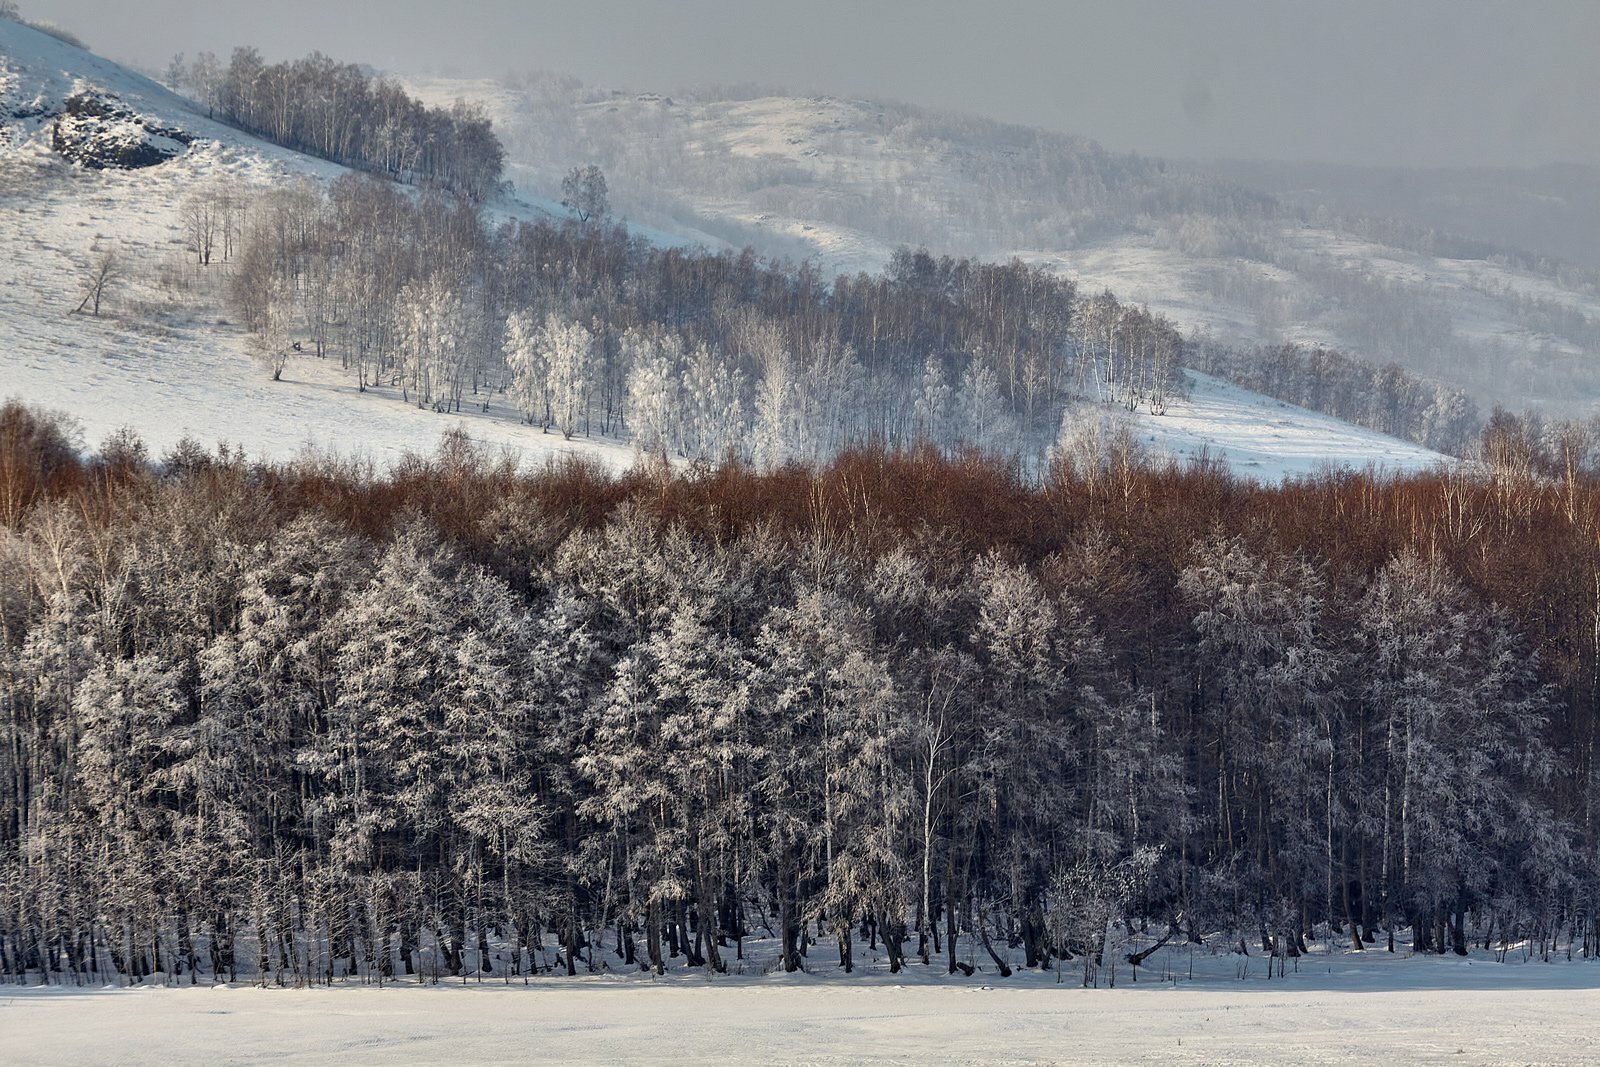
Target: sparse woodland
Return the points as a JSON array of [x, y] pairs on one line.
[[587, 331], [302, 722]]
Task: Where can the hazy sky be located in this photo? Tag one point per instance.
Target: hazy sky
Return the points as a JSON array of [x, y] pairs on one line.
[[1411, 82]]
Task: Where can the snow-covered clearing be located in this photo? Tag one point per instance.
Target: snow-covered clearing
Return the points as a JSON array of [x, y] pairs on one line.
[[1268, 440], [169, 366], [1381, 1008]]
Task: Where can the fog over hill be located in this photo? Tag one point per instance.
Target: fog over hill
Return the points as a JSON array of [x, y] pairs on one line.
[[845, 181], [1551, 210]]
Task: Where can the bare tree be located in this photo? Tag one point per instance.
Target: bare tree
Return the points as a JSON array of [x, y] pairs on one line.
[[202, 223], [104, 272], [204, 79], [175, 74]]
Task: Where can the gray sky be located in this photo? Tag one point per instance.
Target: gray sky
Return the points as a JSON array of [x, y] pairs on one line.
[[1406, 82]]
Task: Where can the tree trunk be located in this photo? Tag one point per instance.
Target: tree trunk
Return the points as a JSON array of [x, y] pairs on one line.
[[653, 937], [983, 935]]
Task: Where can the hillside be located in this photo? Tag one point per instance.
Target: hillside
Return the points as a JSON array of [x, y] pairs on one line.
[[1553, 210], [846, 181], [164, 357], [167, 358]]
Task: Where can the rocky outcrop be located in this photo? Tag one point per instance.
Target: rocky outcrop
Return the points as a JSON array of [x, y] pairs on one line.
[[96, 130]]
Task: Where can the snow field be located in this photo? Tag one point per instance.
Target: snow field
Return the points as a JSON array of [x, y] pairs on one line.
[[1268, 440], [1370, 1008]]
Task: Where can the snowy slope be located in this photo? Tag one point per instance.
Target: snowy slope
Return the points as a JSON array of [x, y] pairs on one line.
[[847, 181], [168, 364], [164, 359], [1268, 440]]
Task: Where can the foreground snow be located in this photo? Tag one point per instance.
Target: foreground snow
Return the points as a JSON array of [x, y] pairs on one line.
[[1376, 1007]]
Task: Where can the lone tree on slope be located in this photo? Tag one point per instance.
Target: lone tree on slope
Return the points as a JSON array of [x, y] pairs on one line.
[[583, 190], [101, 274]]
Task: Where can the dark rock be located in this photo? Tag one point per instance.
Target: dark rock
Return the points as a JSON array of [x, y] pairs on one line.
[[96, 131]]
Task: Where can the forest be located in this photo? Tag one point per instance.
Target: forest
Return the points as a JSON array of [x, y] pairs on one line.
[[306, 722], [587, 330], [340, 112]]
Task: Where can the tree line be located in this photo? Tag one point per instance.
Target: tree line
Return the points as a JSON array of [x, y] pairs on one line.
[[340, 112], [301, 722], [1387, 398], [584, 330]]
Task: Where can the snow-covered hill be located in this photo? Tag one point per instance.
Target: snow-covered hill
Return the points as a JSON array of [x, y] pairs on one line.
[[163, 357], [846, 181], [165, 360], [1268, 440]]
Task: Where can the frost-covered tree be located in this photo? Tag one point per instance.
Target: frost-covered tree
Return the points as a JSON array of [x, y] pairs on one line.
[[834, 805], [434, 333], [1268, 675], [778, 433], [583, 192], [1456, 710], [714, 407], [935, 402], [270, 346], [986, 420], [654, 380], [566, 350]]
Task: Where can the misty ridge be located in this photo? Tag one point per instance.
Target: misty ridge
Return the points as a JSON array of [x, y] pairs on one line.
[[1478, 279]]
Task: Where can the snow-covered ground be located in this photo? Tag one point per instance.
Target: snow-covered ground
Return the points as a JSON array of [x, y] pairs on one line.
[[164, 360], [170, 366], [1268, 440], [1371, 1008]]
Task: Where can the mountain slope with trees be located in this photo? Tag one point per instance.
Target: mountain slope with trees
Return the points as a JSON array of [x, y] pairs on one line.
[[848, 181], [351, 289]]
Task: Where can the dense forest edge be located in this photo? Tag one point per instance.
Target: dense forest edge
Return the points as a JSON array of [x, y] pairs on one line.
[[305, 722]]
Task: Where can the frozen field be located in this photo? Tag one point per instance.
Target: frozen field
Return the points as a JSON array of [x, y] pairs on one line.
[[1377, 1008]]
